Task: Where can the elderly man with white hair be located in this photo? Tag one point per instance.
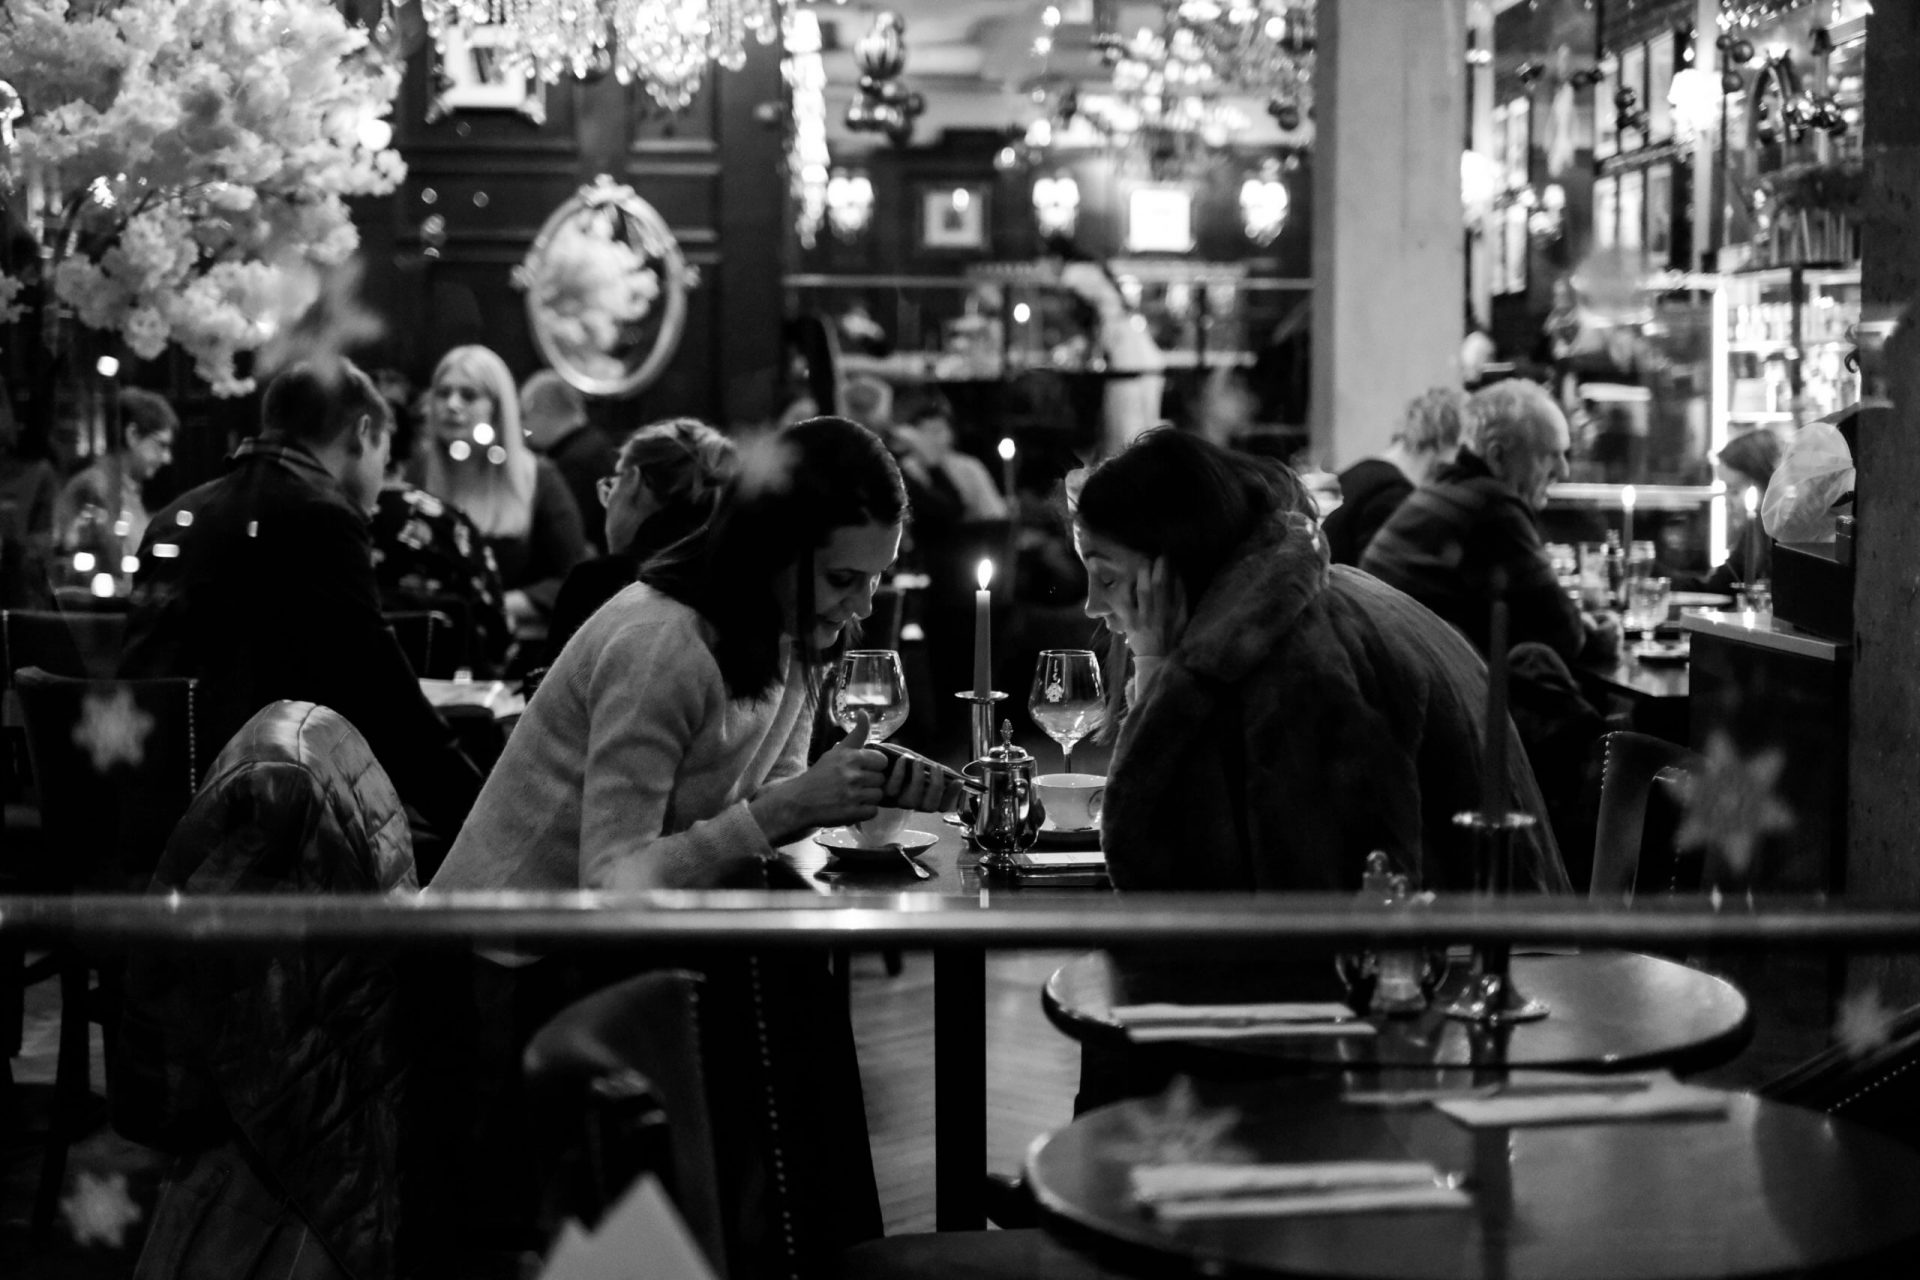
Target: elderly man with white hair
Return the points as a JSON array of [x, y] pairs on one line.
[[1471, 530], [1470, 533]]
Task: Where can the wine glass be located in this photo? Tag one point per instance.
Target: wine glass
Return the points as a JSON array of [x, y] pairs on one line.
[[870, 680], [1068, 700]]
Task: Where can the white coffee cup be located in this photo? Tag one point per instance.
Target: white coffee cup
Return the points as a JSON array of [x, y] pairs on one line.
[[882, 828], [1072, 799]]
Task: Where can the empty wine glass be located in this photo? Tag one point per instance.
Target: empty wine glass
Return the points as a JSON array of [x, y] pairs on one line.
[[1068, 700], [870, 680]]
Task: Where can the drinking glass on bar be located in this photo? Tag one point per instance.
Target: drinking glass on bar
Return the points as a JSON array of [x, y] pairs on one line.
[[1648, 602], [870, 680], [1069, 699]]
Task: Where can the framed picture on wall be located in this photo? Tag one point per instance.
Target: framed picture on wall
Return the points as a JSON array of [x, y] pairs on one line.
[[1606, 128], [1633, 190], [470, 75], [1606, 211], [1633, 75], [1659, 84], [1660, 213], [1519, 140], [1160, 220], [1514, 249], [954, 216]]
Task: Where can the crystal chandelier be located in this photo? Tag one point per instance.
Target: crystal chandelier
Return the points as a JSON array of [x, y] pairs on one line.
[[1257, 46], [664, 44], [1205, 48]]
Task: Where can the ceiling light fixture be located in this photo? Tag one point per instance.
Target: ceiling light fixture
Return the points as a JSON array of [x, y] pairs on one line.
[[663, 45]]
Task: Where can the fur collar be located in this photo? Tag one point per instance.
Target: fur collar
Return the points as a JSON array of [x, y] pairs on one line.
[[1256, 599]]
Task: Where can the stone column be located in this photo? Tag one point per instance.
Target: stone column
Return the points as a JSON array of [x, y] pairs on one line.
[[1884, 746], [1388, 238]]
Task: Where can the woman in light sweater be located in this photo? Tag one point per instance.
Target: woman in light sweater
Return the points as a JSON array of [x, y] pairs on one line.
[[667, 746]]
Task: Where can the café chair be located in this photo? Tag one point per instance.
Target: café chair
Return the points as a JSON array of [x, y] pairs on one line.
[[84, 645], [115, 765], [1878, 1085], [435, 649], [66, 644], [617, 1084], [611, 1067], [1639, 797]]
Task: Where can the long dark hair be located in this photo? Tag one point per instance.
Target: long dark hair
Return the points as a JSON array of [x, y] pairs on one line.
[[1175, 494], [793, 489]]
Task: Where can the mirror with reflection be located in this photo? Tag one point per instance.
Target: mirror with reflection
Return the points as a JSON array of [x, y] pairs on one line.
[[606, 289]]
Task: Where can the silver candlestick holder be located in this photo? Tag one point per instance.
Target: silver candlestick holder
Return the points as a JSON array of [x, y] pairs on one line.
[[982, 713], [1490, 997]]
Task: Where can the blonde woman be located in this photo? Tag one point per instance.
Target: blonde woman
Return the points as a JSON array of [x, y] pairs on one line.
[[481, 464]]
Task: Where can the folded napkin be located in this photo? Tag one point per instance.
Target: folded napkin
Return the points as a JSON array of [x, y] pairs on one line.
[[1525, 1086], [1149, 1022], [1179, 1192], [1664, 1100]]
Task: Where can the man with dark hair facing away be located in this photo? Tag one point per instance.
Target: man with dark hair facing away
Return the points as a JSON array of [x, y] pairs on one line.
[[260, 584]]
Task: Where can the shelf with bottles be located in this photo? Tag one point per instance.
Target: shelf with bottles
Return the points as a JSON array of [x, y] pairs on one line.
[[1783, 339]]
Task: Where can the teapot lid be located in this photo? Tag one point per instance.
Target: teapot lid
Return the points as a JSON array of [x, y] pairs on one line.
[[1005, 752]]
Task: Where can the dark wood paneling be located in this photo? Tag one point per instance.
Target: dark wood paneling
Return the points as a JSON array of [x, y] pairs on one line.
[[714, 172]]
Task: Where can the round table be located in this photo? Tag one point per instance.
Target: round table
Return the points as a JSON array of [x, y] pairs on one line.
[[1769, 1189], [1609, 1011]]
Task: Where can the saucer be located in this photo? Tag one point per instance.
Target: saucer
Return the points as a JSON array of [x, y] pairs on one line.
[[1068, 837], [841, 843], [1662, 653]]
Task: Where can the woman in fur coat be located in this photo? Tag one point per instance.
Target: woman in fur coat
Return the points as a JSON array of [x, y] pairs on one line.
[[1286, 718]]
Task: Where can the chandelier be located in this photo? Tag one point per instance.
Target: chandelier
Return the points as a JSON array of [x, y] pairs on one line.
[[1208, 47], [665, 45]]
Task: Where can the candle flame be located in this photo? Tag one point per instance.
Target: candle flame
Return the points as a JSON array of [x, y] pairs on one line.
[[1752, 499], [984, 574], [1627, 496], [1006, 449]]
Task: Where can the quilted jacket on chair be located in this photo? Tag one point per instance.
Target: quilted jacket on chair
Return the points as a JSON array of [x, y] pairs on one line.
[[274, 1076]]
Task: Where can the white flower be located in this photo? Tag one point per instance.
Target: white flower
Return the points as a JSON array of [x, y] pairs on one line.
[[212, 135]]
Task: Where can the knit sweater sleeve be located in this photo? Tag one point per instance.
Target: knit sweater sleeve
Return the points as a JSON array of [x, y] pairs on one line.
[[650, 697]]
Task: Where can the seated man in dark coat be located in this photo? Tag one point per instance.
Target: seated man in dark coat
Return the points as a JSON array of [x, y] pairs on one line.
[[1473, 526], [1372, 489], [1470, 534], [261, 585]]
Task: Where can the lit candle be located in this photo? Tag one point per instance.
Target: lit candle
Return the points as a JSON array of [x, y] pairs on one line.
[[1006, 467], [983, 633], [1627, 497], [1493, 787], [1751, 535]]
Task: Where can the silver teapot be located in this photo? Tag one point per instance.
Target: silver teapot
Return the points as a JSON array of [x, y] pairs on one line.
[[1002, 809]]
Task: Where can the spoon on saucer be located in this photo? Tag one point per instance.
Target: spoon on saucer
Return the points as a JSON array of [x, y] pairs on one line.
[[919, 872]]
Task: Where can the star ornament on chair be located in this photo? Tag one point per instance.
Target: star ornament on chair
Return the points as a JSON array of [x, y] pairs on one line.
[[1863, 1023], [1731, 804], [99, 1211], [112, 729]]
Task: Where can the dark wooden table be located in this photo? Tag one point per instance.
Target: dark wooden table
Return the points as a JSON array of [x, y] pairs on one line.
[[959, 1004], [1655, 695], [1610, 1011], [1769, 1189]]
